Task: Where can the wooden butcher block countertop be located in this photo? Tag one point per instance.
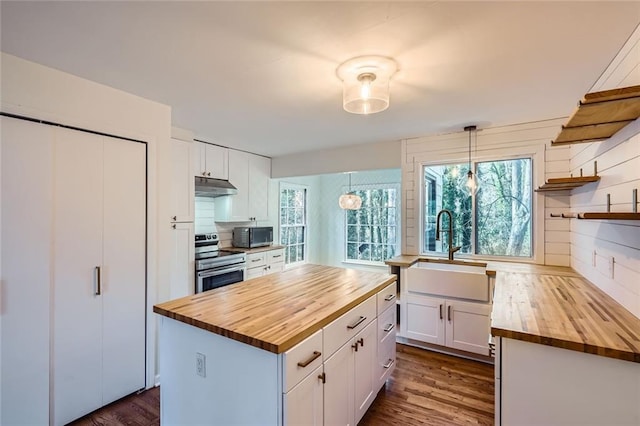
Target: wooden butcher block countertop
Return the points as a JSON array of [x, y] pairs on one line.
[[564, 310], [277, 311]]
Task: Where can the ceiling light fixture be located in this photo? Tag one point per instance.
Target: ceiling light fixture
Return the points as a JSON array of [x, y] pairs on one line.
[[365, 83], [350, 201], [471, 184]]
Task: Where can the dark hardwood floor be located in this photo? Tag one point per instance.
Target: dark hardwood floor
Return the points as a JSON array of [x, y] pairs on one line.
[[426, 388]]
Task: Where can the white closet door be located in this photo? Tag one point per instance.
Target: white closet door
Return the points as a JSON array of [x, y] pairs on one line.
[[77, 250], [124, 268], [27, 164]]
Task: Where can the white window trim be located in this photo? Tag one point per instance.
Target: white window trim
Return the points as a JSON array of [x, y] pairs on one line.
[[397, 187], [537, 200], [295, 186]]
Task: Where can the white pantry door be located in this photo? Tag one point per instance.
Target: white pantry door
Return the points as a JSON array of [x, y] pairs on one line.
[[123, 276], [77, 251]]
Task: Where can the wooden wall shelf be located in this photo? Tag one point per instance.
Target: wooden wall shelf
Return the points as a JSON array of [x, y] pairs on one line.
[[600, 115], [600, 215], [565, 184]]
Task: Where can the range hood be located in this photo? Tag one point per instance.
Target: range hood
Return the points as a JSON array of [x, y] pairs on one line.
[[208, 187]]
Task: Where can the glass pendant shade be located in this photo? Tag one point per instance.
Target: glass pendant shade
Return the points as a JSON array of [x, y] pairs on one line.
[[471, 184], [350, 201]]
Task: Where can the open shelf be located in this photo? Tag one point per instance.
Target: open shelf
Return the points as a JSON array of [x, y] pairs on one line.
[[564, 184], [600, 115], [610, 215]]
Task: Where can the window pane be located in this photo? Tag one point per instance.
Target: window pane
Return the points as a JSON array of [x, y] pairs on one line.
[[352, 233], [364, 252], [299, 216], [300, 234], [352, 251], [292, 223], [503, 214]]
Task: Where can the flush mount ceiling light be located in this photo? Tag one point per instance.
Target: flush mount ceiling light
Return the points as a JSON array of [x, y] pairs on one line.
[[365, 83], [471, 184], [350, 201]]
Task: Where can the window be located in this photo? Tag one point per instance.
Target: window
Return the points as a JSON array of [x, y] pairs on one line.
[[371, 231], [293, 222], [496, 222]]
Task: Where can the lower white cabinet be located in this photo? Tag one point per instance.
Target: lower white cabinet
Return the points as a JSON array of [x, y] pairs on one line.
[[365, 357], [264, 263], [338, 389], [182, 266], [446, 322], [303, 405]]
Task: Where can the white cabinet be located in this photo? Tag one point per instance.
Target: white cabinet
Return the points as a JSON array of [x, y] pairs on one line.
[[303, 405], [264, 263], [338, 389], [446, 322], [182, 268], [364, 360], [182, 181], [251, 175], [210, 161], [98, 341]]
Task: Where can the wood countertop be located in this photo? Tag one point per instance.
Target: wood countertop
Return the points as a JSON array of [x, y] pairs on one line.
[[562, 309], [252, 250], [277, 311]]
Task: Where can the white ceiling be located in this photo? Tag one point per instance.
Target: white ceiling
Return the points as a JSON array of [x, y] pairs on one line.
[[260, 76]]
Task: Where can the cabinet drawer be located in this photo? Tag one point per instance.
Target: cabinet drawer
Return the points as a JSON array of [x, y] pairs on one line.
[[386, 360], [256, 259], [387, 325], [386, 297], [302, 359], [275, 256], [348, 325], [276, 267]]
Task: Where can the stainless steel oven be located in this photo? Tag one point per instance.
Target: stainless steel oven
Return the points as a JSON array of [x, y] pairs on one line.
[[216, 268]]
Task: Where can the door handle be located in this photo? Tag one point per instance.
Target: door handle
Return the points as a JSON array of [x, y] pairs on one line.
[[449, 313], [98, 272], [361, 341], [323, 377], [441, 311], [355, 346]]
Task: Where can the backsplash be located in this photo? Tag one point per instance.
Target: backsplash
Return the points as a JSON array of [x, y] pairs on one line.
[[205, 221]]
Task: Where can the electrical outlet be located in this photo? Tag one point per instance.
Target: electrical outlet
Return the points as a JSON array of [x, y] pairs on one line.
[[201, 365]]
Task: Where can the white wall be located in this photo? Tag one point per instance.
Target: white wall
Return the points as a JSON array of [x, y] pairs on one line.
[[33, 90], [374, 156], [551, 239], [615, 268]]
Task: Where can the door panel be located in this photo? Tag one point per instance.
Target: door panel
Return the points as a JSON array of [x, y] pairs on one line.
[[181, 280], [77, 250], [469, 327], [424, 321], [259, 175], [338, 389], [303, 404], [182, 181], [239, 177], [365, 362], [124, 263]]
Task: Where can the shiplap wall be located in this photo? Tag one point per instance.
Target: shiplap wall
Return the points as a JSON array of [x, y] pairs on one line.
[[551, 237], [607, 252]]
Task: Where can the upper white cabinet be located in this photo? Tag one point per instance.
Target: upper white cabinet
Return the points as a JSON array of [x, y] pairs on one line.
[[182, 182], [210, 161], [250, 174]]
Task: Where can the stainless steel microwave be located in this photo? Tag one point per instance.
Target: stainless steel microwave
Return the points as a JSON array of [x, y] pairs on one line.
[[253, 236]]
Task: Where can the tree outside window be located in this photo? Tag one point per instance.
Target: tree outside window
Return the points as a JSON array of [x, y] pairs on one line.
[[371, 231], [293, 222], [496, 222]]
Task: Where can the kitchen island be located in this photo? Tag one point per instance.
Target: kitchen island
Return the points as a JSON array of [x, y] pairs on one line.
[[311, 344]]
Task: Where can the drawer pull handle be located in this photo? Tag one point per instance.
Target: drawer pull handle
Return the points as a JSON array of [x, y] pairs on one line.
[[256, 260], [389, 327], [357, 323], [390, 297], [278, 255], [98, 291], [312, 358], [388, 364]]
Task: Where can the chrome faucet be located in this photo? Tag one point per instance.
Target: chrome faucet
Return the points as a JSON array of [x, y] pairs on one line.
[[450, 238]]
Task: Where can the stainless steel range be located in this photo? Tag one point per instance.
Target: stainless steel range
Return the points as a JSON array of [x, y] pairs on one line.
[[214, 267]]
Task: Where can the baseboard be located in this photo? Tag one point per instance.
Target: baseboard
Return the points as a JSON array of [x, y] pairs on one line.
[[445, 350]]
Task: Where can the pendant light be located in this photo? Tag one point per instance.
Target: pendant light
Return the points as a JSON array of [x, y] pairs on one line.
[[471, 184], [350, 201]]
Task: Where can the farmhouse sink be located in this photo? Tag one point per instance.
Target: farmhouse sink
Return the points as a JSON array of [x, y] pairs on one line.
[[466, 280]]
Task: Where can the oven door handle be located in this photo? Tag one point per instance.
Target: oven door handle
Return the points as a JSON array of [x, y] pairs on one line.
[[207, 274]]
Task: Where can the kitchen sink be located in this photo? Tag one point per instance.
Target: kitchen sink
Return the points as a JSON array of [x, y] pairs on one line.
[[466, 280]]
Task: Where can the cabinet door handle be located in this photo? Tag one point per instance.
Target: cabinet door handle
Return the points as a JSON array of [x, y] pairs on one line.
[[361, 341], [98, 281], [174, 218], [389, 327], [209, 174], [441, 311], [357, 323], [312, 358], [390, 297], [204, 173], [173, 226], [323, 377], [449, 313], [355, 346], [388, 364]]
